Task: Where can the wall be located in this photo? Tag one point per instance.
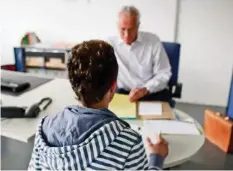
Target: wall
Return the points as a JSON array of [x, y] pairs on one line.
[[206, 32], [77, 20]]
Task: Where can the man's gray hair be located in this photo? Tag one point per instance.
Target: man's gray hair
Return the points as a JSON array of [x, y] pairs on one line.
[[131, 10]]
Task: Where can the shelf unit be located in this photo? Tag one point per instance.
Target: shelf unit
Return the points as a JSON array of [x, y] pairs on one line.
[[48, 62]]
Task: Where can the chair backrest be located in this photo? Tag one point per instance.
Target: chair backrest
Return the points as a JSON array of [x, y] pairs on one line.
[[229, 110], [173, 52]]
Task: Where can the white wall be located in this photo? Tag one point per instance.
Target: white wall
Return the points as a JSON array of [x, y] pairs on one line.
[[205, 31], [77, 20]]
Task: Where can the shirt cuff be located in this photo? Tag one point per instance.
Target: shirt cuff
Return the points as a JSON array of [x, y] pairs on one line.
[[150, 86], [156, 161]]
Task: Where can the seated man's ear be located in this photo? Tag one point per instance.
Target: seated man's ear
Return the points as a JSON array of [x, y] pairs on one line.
[[112, 90], [113, 87]]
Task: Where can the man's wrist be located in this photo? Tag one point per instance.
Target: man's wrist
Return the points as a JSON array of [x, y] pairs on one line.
[[146, 91]]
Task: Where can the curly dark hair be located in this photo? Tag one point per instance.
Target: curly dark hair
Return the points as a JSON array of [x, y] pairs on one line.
[[92, 69]]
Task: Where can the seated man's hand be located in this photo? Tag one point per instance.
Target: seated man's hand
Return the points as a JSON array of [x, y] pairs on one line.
[[137, 93], [159, 148]]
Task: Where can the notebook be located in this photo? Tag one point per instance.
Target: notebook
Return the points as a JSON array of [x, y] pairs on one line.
[[148, 108], [170, 127], [154, 110]]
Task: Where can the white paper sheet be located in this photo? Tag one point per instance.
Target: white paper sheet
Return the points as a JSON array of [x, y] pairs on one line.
[[150, 108], [169, 127]]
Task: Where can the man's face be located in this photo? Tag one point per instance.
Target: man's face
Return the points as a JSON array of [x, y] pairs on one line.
[[128, 27]]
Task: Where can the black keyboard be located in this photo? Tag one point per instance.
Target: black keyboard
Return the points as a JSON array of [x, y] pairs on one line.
[[13, 85]]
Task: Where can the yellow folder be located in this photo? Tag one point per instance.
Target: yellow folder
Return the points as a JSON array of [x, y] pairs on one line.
[[122, 107]]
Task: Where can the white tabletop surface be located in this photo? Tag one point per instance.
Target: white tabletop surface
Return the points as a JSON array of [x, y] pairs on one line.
[[181, 147]]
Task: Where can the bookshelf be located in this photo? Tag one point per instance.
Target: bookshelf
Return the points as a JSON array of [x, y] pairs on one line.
[[48, 62]]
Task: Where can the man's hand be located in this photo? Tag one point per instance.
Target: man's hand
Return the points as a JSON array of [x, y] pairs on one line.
[[137, 93], [160, 147]]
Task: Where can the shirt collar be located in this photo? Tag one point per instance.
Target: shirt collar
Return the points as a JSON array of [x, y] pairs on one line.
[[139, 38], [120, 41]]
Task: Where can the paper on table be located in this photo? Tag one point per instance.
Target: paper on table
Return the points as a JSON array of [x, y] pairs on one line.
[[122, 107], [169, 127], [150, 108]]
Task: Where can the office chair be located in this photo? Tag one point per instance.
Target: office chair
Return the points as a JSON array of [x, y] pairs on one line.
[[229, 109], [175, 88]]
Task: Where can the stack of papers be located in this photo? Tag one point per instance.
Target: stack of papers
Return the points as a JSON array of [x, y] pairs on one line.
[[169, 127], [122, 107], [150, 108]]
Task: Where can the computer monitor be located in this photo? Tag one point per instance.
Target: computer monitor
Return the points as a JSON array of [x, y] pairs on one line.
[[229, 110]]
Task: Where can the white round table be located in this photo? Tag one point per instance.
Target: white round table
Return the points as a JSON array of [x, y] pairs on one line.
[[181, 147]]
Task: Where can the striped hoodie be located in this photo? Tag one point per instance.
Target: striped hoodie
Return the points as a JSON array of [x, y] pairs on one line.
[[89, 139]]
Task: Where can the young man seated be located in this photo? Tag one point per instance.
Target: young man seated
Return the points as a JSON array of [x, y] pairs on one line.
[[88, 135]]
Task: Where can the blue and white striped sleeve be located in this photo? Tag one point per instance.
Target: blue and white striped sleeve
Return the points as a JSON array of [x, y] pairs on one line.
[[137, 159]]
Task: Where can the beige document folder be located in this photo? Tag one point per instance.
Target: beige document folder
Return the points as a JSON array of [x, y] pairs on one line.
[[122, 107]]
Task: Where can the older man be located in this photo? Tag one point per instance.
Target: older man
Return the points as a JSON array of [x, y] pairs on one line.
[[144, 68]]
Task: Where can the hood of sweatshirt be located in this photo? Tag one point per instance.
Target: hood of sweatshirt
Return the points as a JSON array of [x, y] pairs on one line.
[[74, 124]]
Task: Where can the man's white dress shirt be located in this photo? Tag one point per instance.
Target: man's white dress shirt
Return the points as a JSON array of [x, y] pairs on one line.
[[144, 63]]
